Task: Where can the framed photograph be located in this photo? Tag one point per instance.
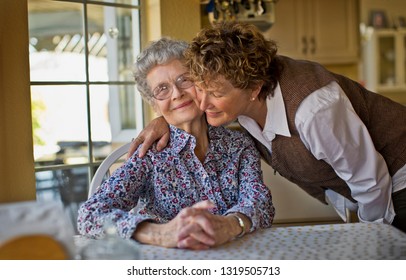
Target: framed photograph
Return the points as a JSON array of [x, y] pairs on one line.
[[378, 19]]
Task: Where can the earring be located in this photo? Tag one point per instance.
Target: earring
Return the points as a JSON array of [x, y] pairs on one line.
[[252, 99]]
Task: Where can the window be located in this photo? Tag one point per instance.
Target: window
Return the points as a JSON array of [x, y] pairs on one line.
[[84, 102]]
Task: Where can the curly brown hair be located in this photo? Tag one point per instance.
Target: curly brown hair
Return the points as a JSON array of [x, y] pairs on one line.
[[237, 51]]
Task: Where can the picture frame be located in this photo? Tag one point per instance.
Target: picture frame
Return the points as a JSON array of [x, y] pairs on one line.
[[378, 19]]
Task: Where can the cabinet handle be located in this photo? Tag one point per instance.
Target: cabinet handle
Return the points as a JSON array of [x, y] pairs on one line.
[[313, 45], [304, 43]]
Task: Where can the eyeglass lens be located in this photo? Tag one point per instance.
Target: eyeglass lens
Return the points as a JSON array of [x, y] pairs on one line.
[[164, 90]]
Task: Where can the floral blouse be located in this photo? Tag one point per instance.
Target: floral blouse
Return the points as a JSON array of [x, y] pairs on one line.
[[163, 183]]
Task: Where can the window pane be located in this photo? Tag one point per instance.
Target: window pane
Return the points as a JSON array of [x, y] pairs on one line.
[[47, 186], [56, 41], [112, 45], [100, 121], [116, 112], [59, 124], [127, 101], [67, 185], [404, 61], [387, 62]]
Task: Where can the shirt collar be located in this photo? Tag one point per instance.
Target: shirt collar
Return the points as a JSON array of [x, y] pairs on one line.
[[276, 122], [179, 139], [276, 119]]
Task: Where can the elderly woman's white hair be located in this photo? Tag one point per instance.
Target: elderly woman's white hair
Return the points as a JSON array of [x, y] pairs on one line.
[[158, 52]]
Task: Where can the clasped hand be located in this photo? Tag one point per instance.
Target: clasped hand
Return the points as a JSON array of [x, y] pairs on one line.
[[199, 229]]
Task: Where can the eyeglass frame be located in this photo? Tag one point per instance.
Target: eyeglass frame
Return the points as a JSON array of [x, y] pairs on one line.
[[177, 83]]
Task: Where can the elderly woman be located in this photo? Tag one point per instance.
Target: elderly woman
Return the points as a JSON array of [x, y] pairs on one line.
[[203, 189]]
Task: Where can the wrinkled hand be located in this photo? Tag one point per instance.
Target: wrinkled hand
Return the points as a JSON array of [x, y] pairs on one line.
[[202, 228], [169, 232], [157, 129], [193, 232]]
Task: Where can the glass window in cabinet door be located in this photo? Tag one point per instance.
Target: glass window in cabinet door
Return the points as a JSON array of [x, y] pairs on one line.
[[387, 58]]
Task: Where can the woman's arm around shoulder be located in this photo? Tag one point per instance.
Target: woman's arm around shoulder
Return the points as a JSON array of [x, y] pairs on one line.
[[157, 130]]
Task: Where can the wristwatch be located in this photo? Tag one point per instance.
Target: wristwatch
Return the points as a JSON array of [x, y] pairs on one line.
[[241, 224]]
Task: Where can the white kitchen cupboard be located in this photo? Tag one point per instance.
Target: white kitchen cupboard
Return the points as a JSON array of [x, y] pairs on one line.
[[384, 62], [318, 30]]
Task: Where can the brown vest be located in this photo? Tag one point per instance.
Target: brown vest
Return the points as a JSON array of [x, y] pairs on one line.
[[385, 120]]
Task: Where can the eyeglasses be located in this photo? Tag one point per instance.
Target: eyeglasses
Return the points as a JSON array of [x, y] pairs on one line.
[[164, 90]]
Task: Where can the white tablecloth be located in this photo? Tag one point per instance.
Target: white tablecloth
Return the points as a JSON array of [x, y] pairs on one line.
[[335, 241]]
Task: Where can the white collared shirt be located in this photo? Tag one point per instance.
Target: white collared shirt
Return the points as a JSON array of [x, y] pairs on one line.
[[276, 121], [333, 132]]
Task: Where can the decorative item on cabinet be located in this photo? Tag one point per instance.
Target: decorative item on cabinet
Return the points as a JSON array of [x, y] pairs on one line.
[[400, 22], [378, 19], [258, 12]]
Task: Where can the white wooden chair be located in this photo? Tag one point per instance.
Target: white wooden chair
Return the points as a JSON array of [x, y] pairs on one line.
[[105, 167]]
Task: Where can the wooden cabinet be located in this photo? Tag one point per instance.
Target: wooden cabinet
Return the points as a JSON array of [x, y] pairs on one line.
[[384, 62], [318, 30]]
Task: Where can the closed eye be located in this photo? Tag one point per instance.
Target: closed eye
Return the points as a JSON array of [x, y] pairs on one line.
[[211, 93]]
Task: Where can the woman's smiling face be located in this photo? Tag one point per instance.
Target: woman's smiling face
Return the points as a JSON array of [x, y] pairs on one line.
[[222, 102], [181, 106]]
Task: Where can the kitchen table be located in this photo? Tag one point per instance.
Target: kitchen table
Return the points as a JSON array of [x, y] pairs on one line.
[[345, 241]]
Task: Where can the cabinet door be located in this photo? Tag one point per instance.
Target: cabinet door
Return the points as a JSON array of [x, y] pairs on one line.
[[333, 31], [384, 63], [319, 30], [289, 28]]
